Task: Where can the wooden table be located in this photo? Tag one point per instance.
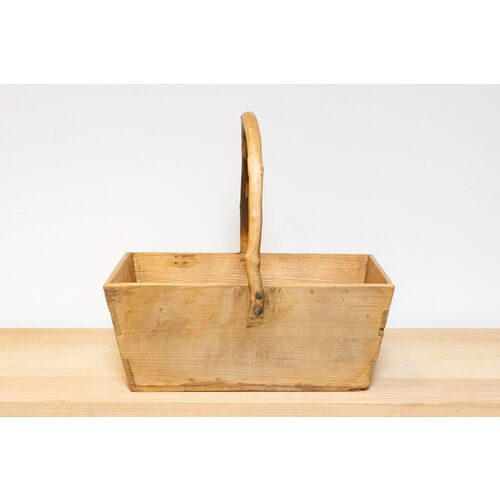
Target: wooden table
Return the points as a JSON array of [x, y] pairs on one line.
[[420, 372]]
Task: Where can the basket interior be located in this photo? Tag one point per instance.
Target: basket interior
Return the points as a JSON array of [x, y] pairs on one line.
[[229, 269]]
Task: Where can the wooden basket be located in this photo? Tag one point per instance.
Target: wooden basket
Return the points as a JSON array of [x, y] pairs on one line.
[[248, 321]]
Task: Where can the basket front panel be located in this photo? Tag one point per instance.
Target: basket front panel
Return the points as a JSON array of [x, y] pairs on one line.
[[197, 338]]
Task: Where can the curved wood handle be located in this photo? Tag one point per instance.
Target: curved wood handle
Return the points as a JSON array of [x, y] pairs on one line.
[[252, 171]]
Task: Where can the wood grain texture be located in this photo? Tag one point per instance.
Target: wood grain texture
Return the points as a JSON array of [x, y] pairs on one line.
[[78, 372], [182, 321], [229, 269], [251, 192], [191, 339], [186, 332]]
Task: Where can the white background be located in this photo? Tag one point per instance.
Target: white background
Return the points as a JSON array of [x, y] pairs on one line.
[[250, 458], [408, 173], [267, 41]]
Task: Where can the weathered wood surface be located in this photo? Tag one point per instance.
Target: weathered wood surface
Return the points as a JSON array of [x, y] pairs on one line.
[[181, 322], [246, 321], [419, 372], [228, 269], [251, 229]]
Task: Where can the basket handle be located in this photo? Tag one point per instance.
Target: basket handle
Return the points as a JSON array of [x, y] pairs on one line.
[[252, 171]]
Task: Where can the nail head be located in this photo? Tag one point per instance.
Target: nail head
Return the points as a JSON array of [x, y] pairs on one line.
[[257, 310]]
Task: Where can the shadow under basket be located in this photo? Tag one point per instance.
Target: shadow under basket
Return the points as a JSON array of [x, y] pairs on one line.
[[181, 322]]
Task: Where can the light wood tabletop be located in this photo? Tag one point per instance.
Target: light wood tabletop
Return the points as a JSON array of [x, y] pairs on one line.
[[78, 372]]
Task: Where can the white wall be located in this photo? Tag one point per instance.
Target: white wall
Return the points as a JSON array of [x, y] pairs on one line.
[[410, 174]]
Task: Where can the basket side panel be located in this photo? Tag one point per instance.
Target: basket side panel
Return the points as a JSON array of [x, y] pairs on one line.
[[114, 296], [124, 272], [196, 338], [375, 273]]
